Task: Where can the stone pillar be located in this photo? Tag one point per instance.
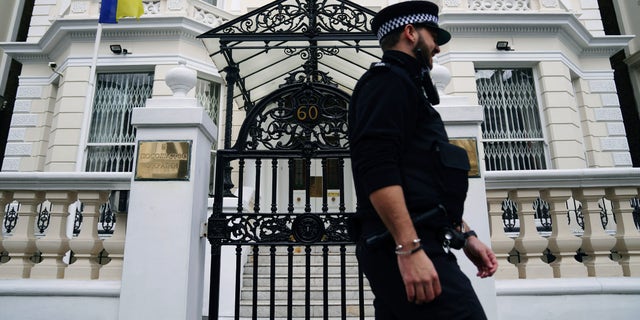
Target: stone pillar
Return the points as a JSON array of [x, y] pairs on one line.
[[529, 242], [500, 242], [19, 240], [462, 121], [86, 246], [164, 254], [597, 244], [627, 236], [562, 242], [51, 236]]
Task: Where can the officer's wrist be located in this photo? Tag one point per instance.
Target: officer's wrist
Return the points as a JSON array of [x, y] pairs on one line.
[[409, 249], [470, 233]]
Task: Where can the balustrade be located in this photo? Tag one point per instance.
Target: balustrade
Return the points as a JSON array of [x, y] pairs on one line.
[[197, 10], [594, 228], [503, 5], [57, 234]]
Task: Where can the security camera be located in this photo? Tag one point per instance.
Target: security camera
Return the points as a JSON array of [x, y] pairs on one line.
[[52, 65]]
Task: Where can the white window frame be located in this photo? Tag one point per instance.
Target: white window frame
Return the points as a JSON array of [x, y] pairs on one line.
[[538, 96]]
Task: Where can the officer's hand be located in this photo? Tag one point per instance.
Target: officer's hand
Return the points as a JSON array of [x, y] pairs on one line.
[[420, 277], [482, 256]]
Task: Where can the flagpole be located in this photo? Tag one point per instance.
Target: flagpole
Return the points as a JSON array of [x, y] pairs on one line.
[[86, 118]]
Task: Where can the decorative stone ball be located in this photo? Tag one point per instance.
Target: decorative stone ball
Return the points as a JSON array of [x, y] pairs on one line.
[[440, 76], [181, 79]]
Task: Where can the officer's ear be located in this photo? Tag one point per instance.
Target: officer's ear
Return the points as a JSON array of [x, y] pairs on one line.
[[411, 33]]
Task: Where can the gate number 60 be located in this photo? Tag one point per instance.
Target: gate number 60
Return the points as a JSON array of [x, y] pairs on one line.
[[307, 113]]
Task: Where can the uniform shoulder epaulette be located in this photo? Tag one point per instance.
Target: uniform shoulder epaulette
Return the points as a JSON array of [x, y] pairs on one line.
[[379, 66]]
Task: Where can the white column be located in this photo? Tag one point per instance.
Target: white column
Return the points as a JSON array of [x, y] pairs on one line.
[[462, 121], [163, 269]]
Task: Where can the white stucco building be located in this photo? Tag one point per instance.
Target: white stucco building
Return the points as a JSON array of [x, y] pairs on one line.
[[553, 127]]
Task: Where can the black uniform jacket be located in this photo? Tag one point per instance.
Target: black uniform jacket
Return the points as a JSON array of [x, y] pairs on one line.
[[398, 138]]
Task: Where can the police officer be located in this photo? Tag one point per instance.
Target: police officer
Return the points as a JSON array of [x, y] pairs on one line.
[[404, 170]]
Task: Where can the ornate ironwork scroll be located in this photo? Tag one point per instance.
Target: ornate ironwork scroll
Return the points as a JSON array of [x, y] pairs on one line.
[[308, 17], [44, 216], [282, 228], [575, 206], [11, 216], [635, 204], [542, 214], [605, 205], [107, 218], [77, 220], [311, 53], [303, 117], [510, 216]]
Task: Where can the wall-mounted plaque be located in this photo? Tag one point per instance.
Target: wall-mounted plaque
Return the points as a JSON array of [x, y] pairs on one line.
[[471, 146], [163, 160]]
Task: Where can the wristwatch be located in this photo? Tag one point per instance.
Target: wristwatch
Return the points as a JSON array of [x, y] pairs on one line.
[[470, 233]]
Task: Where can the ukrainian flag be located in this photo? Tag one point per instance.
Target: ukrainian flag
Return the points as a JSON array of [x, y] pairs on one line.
[[112, 10]]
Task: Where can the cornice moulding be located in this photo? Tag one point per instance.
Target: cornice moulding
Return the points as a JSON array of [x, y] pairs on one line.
[[525, 59], [85, 30], [553, 24]]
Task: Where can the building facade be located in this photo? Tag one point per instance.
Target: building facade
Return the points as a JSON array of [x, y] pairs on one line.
[[558, 83]]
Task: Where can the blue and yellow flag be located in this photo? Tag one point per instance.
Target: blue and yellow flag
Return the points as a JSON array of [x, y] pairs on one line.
[[112, 10]]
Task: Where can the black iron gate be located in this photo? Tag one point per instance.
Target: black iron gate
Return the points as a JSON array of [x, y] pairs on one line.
[[289, 65], [298, 256]]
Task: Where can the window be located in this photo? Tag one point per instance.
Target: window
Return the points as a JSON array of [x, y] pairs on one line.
[[512, 131], [208, 94], [111, 137]]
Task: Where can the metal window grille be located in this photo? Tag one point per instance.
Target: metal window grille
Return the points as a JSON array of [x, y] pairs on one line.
[[111, 137], [208, 95], [512, 131]]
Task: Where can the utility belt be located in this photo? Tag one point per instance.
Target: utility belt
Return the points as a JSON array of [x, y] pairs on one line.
[[430, 226]]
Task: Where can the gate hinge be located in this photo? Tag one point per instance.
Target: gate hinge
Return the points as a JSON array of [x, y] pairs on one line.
[[203, 230]]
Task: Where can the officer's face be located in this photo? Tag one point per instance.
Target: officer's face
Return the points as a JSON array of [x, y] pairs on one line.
[[427, 45]]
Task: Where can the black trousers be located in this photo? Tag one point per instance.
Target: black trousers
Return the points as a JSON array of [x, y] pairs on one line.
[[457, 300]]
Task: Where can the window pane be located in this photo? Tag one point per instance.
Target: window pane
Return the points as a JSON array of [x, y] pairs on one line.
[[110, 158], [512, 130], [111, 136], [514, 155], [208, 95]]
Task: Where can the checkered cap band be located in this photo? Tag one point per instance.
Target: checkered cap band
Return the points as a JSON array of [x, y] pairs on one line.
[[405, 20]]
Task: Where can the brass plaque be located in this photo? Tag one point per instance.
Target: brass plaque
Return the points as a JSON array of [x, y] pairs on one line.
[[471, 146], [315, 188], [163, 160]]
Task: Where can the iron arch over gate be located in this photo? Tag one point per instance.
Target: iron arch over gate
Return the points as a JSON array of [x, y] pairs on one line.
[[290, 65]]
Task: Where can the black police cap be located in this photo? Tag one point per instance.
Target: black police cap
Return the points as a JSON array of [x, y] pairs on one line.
[[396, 16]]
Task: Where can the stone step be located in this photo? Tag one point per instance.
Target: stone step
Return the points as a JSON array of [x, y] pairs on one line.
[[314, 269], [298, 293], [316, 257], [300, 258], [316, 309], [310, 318], [316, 280]]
